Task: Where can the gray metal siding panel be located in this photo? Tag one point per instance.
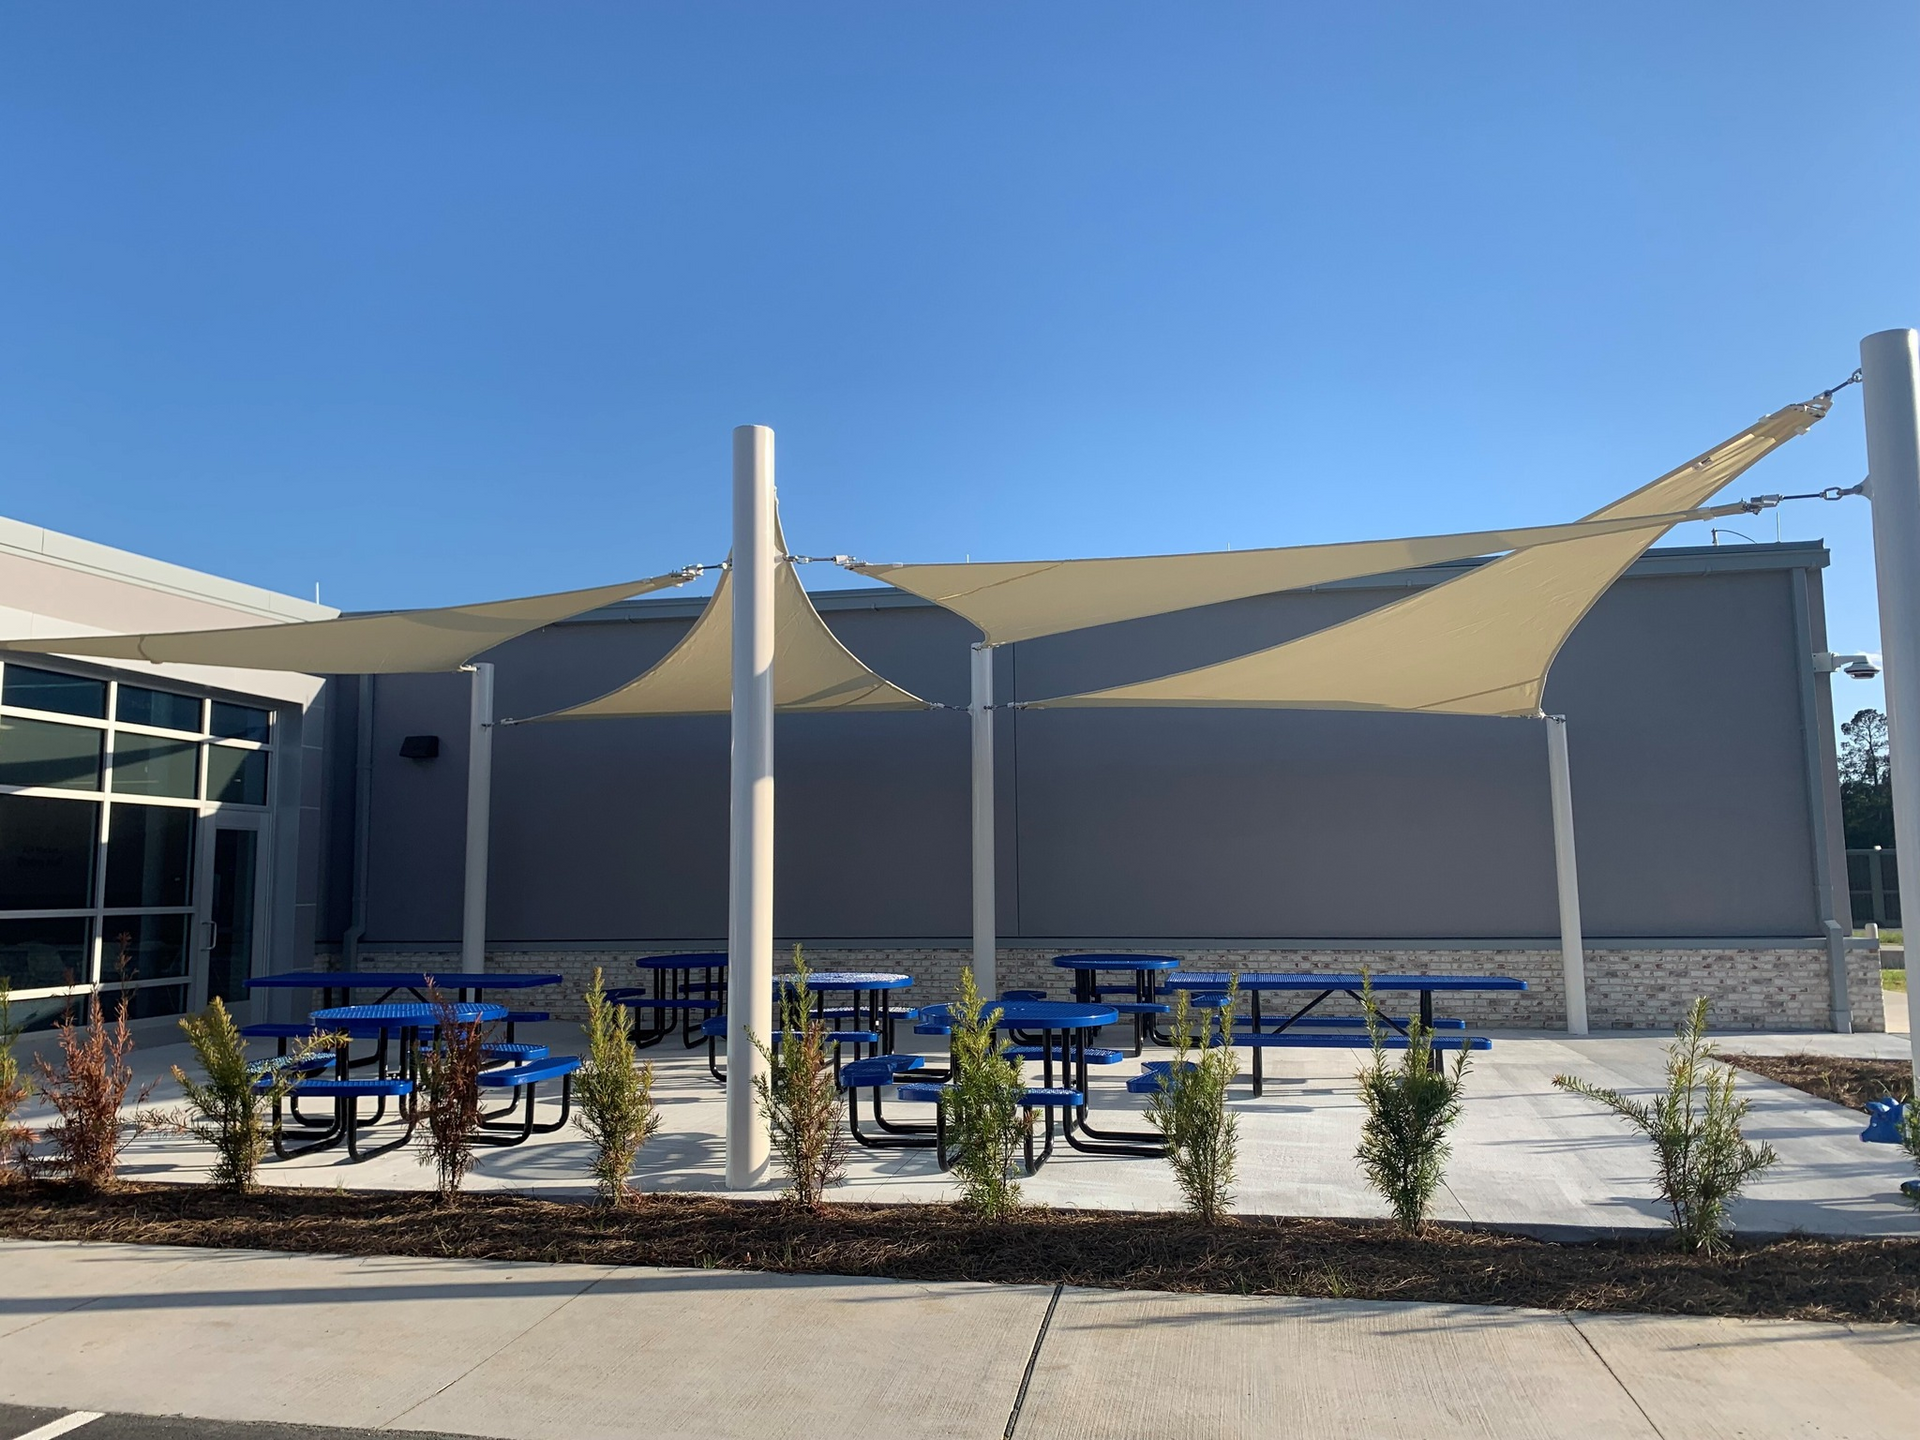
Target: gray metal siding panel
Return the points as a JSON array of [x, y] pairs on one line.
[[1689, 791]]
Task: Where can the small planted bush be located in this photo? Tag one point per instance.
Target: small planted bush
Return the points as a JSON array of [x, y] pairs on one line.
[[615, 1096], [450, 1074], [87, 1090], [1703, 1157], [1190, 1108], [799, 1097], [1910, 1142], [985, 1123], [15, 1090], [1411, 1108], [229, 1108]]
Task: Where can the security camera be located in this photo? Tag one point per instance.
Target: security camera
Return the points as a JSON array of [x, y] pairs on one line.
[[1861, 669]]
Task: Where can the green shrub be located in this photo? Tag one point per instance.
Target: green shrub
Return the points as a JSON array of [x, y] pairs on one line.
[[615, 1096], [1910, 1142], [225, 1111], [1703, 1157], [985, 1122], [450, 1075], [799, 1097], [1190, 1108], [15, 1090], [1411, 1107]]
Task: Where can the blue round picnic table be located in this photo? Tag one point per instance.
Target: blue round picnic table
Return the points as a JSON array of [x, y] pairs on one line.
[[878, 1016], [1063, 1027], [1141, 1003], [410, 1014], [407, 1019], [675, 998]]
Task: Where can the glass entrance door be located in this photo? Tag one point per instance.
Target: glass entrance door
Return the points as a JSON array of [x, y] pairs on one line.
[[232, 906]]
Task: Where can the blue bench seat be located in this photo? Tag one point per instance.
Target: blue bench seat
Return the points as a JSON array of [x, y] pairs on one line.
[[1147, 1082], [281, 1064], [550, 1067], [669, 1002], [525, 1081], [851, 1012], [517, 1050], [1059, 1097], [1096, 1054], [527, 1017], [877, 1070], [922, 1092], [1323, 1041], [1337, 1022], [1140, 1007], [353, 1089]]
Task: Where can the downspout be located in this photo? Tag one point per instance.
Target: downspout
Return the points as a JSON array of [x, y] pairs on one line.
[[362, 824], [1840, 1003]]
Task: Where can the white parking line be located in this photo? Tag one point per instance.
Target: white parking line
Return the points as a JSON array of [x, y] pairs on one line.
[[66, 1424]]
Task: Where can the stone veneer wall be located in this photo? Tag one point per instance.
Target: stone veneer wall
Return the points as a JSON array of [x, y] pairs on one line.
[[1626, 989]]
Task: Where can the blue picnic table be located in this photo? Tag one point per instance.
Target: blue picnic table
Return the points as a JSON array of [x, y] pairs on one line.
[[1259, 1034], [465, 984], [1063, 1027]]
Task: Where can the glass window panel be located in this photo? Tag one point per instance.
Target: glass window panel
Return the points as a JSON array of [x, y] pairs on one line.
[[149, 856], [143, 947], [143, 765], [237, 777], [46, 852], [147, 1002], [39, 752], [35, 954], [50, 690], [241, 722], [161, 709]]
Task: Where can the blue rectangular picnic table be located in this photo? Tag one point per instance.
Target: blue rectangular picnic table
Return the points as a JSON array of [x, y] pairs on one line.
[[1257, 983], [465, 984]]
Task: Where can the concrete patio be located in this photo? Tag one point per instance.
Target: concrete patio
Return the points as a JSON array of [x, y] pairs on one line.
[[1526, 1155]]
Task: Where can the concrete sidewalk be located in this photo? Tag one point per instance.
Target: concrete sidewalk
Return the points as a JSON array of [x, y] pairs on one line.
[[577, 1352]]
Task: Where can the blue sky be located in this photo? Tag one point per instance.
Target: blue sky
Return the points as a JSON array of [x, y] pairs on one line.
[[439, 302]]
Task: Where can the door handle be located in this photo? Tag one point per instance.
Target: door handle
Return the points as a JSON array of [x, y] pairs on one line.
[[213, 934]]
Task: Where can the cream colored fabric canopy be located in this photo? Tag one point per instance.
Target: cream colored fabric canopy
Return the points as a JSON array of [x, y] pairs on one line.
[[395, 643], [1477, 645], [812, 670], [1024, 599]]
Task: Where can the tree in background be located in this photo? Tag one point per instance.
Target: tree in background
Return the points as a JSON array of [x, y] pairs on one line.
[[1866, 786]]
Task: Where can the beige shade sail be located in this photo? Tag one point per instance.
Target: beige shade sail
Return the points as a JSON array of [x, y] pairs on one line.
[[812, 670], [1477, 645], [1024, 599], [397, 642]]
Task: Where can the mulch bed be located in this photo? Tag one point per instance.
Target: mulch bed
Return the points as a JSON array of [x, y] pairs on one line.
[[1843, 1079], [1798, 1278]]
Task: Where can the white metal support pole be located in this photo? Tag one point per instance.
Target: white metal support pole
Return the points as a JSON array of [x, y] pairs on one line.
[[985, 939], [473, 908], [750, 873], [1573, 955], [1890, 388]]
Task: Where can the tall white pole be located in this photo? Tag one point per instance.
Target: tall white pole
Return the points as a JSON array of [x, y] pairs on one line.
[[1890, 387], [750, 873], [473, 907], [1573, 955], [985, 940]]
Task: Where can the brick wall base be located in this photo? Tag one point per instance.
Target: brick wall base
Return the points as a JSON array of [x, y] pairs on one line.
[[1626, 989]]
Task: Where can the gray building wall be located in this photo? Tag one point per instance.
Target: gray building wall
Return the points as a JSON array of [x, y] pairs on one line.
[[1683, 688]]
